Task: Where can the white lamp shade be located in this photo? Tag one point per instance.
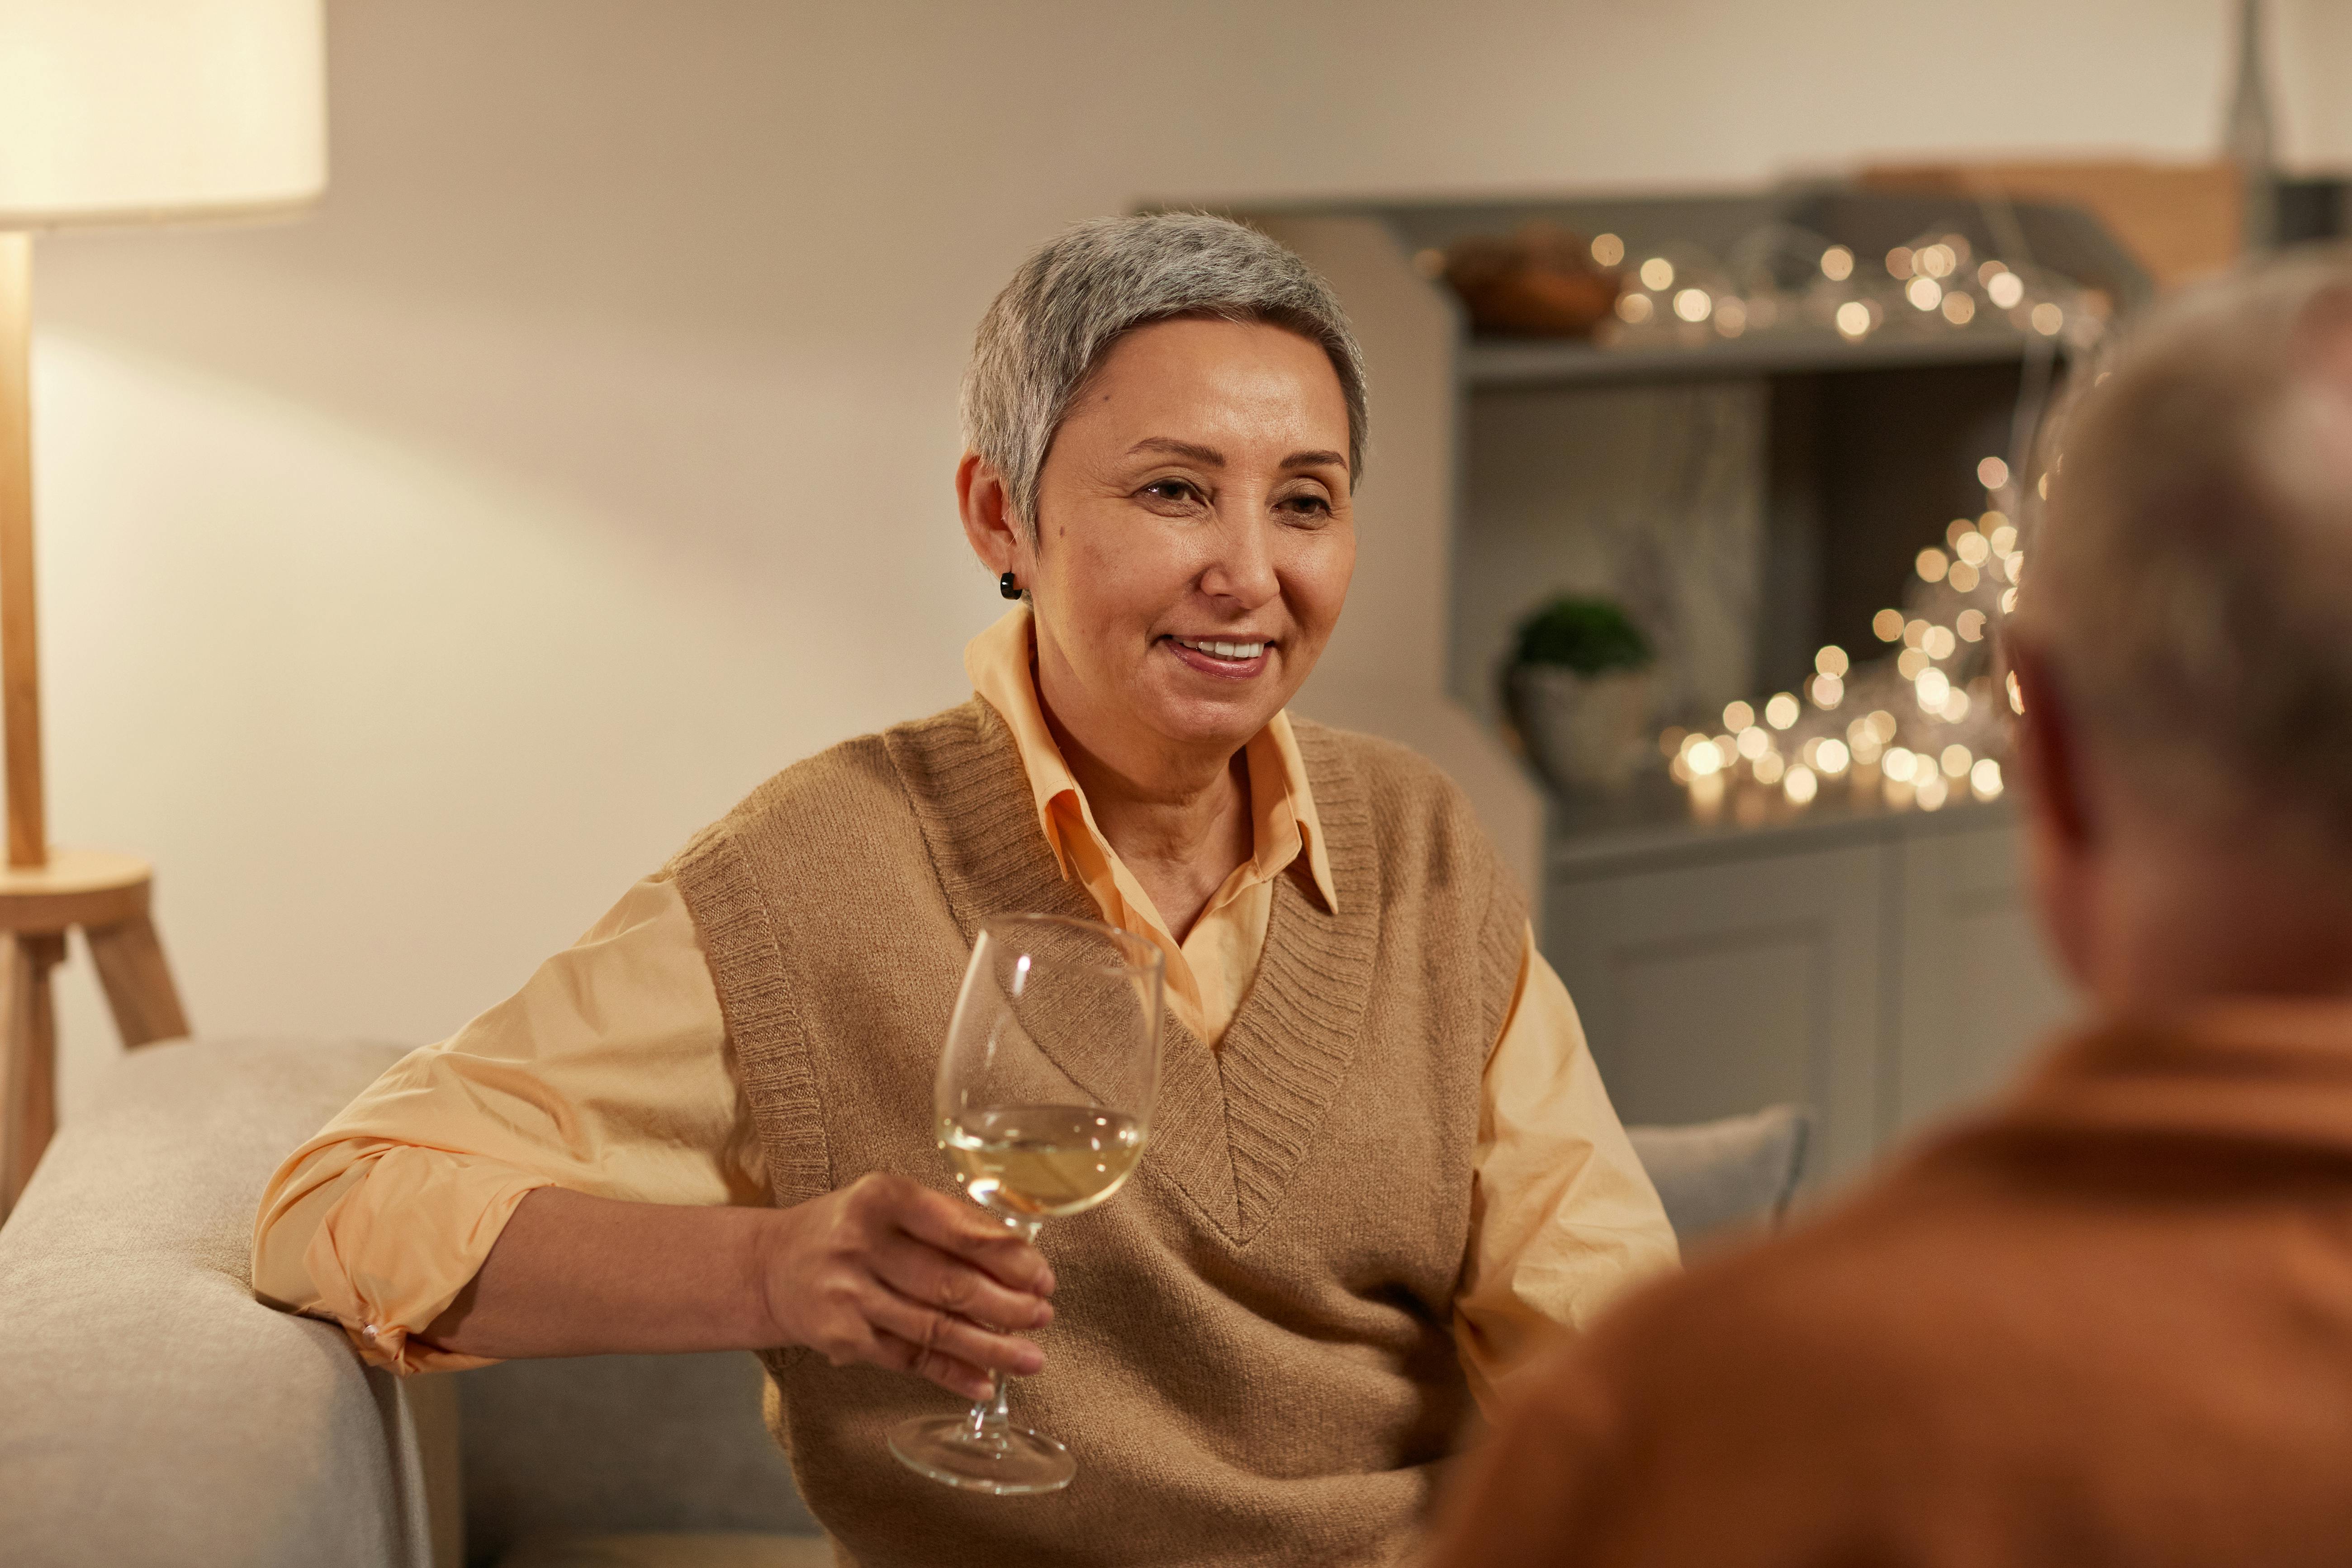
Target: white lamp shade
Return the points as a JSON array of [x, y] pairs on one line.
[[123, 110]]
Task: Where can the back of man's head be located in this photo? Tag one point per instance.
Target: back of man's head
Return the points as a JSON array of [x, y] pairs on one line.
[[2192, 581]]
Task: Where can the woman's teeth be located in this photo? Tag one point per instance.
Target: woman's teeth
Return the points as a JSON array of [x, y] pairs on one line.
[[1223, 650]]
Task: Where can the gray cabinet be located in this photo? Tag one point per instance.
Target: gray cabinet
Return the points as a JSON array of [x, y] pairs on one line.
[[1880, 969]]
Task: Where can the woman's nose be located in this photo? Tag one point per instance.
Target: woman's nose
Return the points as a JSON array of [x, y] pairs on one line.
[[1243, 570]]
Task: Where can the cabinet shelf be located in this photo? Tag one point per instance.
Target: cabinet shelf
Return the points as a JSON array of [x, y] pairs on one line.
[[1501, 362]]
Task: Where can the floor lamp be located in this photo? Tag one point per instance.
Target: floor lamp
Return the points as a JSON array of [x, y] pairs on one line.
[[111, 112]]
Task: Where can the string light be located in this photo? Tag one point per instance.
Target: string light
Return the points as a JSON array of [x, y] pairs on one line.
[[1787, 741]]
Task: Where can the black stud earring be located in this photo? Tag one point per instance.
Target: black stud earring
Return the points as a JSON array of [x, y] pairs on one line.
[[1008, 587]]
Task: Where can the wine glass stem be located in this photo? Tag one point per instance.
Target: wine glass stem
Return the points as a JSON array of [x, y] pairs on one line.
[[990, 1416]]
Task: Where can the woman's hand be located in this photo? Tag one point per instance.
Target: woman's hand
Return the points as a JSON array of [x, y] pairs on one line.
[[888, 1272]]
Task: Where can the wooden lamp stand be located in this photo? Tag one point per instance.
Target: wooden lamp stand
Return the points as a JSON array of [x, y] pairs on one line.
[[44, 893]]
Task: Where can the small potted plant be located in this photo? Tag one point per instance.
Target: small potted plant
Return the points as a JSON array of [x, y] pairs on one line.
[[1578, 688]]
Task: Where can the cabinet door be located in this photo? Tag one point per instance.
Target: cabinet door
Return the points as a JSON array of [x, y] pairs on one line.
[[1711, 990], [1978, 995]]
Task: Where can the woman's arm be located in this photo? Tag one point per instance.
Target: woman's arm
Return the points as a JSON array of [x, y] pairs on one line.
[[1564, 1218], [575, 1172], [885, 1271]]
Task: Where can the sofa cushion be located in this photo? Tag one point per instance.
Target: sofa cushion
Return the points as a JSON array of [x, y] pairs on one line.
[[616, 1445], [1720, 1180]]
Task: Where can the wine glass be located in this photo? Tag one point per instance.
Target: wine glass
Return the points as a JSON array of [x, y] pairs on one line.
[[1043, 1099]]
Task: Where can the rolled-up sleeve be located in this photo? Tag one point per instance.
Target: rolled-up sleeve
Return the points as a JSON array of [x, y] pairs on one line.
[[609, 1073], [1563, 1217]]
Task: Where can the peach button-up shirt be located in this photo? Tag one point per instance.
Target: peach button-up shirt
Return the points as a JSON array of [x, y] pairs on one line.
[[610, 1072]]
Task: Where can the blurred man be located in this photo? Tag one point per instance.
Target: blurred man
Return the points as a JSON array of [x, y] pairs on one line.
[[2111, 1320]]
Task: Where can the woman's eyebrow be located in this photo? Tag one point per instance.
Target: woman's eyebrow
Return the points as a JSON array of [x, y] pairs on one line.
[[1314, 461], [1207, 456]]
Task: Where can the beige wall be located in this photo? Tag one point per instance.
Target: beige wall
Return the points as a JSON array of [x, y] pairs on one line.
[[416, 576]]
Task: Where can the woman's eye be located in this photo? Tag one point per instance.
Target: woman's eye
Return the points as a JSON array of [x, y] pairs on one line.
[[1307, 506], [1169, 490]]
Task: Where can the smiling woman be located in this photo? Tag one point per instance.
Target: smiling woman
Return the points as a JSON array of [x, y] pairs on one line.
[[1383, 1169], [1188, 580]]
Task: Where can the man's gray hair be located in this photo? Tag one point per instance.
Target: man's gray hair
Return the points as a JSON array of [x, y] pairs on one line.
[[1047, 332], [2192, 578]]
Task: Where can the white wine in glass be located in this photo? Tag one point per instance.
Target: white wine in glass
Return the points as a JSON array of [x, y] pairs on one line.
[[1042, 1162], [1044, 1097]]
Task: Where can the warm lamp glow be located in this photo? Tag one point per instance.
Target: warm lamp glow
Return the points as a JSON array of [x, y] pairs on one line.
[[119, 110]]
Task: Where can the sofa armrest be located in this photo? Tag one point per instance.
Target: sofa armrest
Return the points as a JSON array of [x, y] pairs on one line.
[[154, 1412]]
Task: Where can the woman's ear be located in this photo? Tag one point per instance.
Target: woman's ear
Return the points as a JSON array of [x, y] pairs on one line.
[[985, 503]]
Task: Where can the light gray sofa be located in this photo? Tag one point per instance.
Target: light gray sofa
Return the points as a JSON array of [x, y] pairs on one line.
[[152, 1413]]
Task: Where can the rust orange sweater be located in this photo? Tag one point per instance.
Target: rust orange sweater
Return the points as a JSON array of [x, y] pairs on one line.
[[2108, 1322]]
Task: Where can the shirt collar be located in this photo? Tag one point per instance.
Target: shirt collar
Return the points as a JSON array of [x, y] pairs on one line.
[[1001, 665]]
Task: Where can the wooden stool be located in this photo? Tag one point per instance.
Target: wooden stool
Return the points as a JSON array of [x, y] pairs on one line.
[[106, 895]]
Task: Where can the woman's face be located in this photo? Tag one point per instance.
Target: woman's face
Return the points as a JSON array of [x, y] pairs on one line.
[[1195, 539]]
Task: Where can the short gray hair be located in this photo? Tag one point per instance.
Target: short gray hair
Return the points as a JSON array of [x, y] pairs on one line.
[[2191, 580], [1047, 332]]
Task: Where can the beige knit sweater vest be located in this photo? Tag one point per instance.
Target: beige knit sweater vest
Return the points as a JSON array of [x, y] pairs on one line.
[[1250, 1355]]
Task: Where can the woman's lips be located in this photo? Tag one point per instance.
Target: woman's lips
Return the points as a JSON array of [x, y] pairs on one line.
[[1200, 655]]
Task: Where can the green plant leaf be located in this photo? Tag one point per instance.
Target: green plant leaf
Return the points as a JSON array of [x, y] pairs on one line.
[[1591, 637]]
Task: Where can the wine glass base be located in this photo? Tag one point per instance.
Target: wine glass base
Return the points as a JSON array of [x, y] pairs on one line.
[[1010, 1461]]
